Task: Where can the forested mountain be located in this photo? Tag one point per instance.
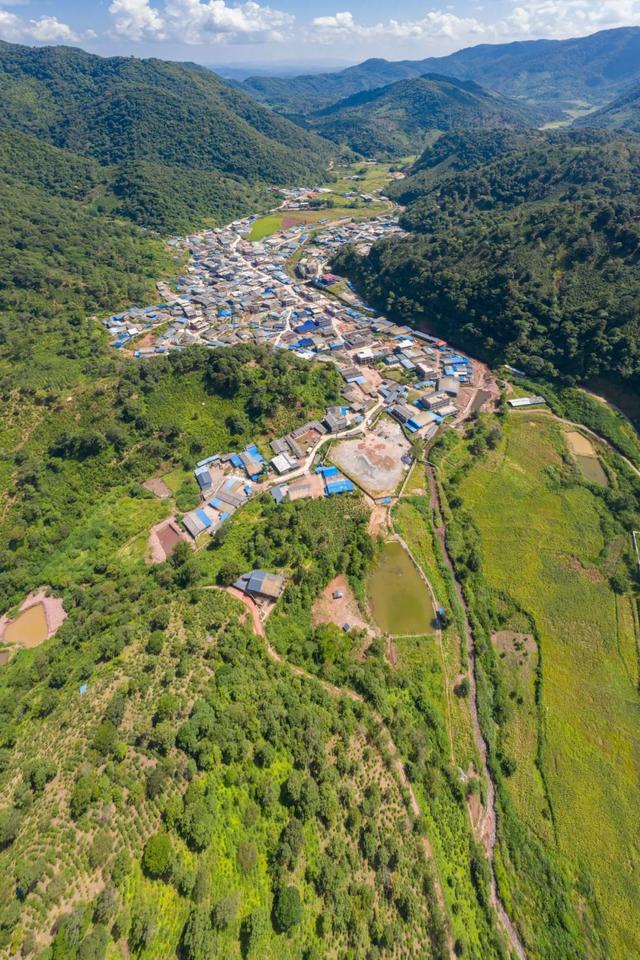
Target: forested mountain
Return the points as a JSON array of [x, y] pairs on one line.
[[553, 73], [176, 143], [623, 113], [396, 120], [531, 257]]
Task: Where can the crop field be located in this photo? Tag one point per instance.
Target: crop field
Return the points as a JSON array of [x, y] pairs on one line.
[[282, 220], [412, 519], [399, 599], [542, 540]]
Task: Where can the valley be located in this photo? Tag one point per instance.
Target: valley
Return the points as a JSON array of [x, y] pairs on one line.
[[319, 630]]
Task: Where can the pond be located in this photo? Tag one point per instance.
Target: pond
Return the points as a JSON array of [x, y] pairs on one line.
[[398, 597], [29, 629]]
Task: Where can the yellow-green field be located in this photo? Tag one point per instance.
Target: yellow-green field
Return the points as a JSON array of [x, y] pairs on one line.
[[542, 544], [372, 177]]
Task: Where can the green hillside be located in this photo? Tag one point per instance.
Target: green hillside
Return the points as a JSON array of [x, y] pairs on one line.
[[164, 132], [164, 779], [397, 120], [530, 258], [555, 75], [623, 113]]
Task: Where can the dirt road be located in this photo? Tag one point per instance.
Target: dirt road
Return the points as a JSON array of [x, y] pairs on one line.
[[488, 824]]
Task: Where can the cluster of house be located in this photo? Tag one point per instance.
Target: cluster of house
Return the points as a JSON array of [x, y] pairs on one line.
[[227, 481], [237, 291]]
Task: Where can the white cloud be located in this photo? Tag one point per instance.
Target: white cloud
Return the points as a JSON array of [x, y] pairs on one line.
[[568, 18], [435, 23], [45, 29], [200, 21], [527, 20]]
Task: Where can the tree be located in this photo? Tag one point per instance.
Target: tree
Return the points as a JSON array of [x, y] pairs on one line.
[[9, 826], [225, 911], [143, 927], [38, 774], [106, 905], [157, 858], [247, 856], [287, 909], [197, 823], [94, 946], [197, 936], [100, 849]]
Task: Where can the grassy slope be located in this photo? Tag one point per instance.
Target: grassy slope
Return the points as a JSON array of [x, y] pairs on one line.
[[543, 547]]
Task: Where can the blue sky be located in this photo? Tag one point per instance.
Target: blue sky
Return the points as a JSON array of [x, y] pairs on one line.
[[299, 31]]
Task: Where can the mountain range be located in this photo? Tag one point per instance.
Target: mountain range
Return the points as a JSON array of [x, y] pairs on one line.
[[396, 120], [174, 143], [557, 75]]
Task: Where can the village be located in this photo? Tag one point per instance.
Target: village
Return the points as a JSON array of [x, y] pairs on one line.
[[400, 384]]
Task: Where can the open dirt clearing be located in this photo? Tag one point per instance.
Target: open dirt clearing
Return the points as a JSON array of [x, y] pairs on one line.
[[580, 445], [341, 610], [375, 461]]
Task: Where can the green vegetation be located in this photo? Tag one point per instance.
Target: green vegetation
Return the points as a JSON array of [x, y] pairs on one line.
[[397, 594], [71, 488], [558, 77], [530, 257], [623, 113], [169, 146], [400, 118], [549, 592]]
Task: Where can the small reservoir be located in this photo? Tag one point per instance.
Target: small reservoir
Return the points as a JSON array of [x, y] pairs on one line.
[[398, 597], [29, 629]]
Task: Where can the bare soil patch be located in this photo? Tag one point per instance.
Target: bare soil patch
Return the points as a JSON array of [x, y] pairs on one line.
[[164, 538], [579, 445], [341, 610], [378, 521], [375, 461], [157, 487]]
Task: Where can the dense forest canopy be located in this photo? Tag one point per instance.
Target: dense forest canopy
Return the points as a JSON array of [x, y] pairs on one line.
[[167, 145], [531, 257], [397, 120]]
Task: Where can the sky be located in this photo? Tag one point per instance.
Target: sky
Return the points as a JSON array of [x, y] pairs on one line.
[[311, 32]]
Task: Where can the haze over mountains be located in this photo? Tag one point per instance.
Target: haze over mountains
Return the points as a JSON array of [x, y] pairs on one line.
[[551, 73]]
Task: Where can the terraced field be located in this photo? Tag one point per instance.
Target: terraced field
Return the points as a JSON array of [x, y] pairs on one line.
[[546, 540]]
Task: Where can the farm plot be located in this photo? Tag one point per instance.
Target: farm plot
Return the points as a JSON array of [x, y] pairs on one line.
[[540, 543], [586, 457]]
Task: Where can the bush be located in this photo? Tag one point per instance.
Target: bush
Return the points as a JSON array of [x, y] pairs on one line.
[[287, 909], [247, 856], [157, 859]]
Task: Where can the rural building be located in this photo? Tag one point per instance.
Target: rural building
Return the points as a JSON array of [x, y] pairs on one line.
[[260, 585], [527, 402]]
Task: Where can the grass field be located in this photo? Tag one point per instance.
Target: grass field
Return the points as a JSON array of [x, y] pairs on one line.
[[372, 177], [542, 543]]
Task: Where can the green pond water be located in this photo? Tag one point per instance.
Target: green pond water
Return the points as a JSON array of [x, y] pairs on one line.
[[398, 596], [592, 470]]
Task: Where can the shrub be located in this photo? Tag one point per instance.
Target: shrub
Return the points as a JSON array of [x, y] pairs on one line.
[[287, 909], [157, 858]]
